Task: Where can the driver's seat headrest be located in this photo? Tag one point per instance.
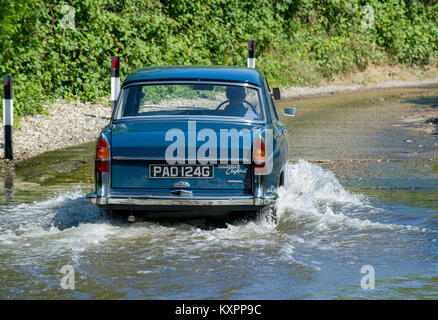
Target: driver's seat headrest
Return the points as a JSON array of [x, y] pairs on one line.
[[236, 94]]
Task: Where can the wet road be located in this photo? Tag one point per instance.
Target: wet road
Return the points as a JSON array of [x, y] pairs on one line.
[[361, 190]]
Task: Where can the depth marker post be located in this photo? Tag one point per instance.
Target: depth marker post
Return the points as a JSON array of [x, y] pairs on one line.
[[8, 115], [115, 80], [251, 54]]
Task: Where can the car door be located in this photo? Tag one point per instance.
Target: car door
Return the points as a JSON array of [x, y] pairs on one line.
[[280, 141]]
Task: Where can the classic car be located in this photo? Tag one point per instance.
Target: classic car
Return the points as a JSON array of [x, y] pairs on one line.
[[194, 139]]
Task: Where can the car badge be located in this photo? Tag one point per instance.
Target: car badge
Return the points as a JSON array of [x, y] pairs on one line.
[[181, 184]]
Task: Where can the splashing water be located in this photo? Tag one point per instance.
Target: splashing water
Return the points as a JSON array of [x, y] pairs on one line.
[[316, 227], [313, 198]]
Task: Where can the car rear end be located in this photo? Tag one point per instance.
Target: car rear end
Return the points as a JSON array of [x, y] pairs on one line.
[[183, 158], [133, 173]]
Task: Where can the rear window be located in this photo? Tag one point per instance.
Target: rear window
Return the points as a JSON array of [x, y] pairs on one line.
[[200, 99]]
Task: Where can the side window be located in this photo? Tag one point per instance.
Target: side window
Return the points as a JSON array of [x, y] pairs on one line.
[[271, 105]]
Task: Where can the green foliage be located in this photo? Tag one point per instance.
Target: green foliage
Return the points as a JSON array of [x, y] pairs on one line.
[[297, 42]]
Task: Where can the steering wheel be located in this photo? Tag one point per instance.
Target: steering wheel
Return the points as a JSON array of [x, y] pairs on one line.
[[227, 101]]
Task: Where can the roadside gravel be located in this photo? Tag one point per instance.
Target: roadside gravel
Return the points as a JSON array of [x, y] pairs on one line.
[[296, 92], [68, 124]]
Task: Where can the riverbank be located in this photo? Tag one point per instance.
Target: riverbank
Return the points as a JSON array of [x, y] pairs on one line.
[[298, 92], [66, 124], [71, 123]]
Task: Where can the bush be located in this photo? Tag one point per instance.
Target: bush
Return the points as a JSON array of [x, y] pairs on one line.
[[297, 42]]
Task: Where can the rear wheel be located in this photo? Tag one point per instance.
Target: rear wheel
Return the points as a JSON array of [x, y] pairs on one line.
[[115, 214], [281, 180], [105, 212], [273, 208]]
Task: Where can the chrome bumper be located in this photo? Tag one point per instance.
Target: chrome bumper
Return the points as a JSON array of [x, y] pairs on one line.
[[107, 199], [146, 201]]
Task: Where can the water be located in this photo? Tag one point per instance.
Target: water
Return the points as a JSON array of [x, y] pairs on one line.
[[312, 247], [331, 219]]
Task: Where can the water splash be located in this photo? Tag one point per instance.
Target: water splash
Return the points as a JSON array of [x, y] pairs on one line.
[[313, 198], [62, 224], [315, 226]]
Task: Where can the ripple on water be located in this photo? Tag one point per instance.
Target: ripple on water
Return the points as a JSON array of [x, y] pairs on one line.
[[315, 225]]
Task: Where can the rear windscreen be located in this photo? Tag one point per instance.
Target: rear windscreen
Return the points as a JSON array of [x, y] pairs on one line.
[[189, 100]]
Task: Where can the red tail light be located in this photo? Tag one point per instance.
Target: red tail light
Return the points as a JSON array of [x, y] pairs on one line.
[[102, 156], [102, 166], [259, 153]]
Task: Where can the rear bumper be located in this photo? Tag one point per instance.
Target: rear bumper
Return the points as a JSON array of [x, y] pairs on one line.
[[172, 203]]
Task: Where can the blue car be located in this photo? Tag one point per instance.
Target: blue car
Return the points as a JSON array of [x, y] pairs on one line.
[[199, 140]]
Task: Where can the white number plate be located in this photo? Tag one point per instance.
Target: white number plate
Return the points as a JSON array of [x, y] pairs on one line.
[[180, 171]]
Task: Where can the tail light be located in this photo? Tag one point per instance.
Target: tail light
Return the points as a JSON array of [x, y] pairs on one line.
[[102, 156], [259, 154]]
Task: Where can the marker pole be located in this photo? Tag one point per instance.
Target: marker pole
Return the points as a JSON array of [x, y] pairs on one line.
[[251, 54], [8, 115], [115, 81]]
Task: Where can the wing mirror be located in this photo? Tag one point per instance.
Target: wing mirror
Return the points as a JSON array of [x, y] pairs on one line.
[[290, 112], [276, 93]]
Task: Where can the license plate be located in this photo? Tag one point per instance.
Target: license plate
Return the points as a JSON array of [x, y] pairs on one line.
[[180, 171]]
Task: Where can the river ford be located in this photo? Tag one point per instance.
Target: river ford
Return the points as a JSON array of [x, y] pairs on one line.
[[361, 191]]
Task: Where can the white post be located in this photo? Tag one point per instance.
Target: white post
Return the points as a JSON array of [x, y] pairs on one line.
[[251, 54], [8, 115], [115, 81]]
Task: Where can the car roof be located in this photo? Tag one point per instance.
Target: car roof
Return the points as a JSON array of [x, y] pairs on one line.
[[214, 73]]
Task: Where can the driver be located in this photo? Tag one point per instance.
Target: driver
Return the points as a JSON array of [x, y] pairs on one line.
[[236, 96]]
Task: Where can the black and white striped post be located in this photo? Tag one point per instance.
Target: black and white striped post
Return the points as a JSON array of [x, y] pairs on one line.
[[115, 80], [251, 54], [8, 115]]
